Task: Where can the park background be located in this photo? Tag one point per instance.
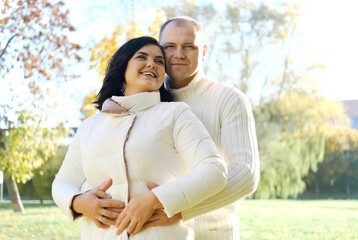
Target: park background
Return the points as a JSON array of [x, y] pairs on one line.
[[294, 59]]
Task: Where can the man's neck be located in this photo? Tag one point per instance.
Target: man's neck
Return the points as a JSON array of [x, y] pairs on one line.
[[180, 83]]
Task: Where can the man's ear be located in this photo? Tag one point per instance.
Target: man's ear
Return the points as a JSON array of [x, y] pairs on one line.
[[205, 48]]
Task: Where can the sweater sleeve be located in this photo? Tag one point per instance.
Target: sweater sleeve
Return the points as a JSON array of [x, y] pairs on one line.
[[208, 174], [239, 145], [70, 177]]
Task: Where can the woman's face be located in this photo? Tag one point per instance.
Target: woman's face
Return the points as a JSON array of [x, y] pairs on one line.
[[145, 70]]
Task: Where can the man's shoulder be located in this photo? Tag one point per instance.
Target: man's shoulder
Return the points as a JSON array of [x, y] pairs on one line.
[[222, 89]]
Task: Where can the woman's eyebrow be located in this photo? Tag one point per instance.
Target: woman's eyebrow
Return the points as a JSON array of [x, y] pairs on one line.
[[144, 53]]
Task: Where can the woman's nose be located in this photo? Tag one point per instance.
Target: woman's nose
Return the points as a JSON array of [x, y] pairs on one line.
[[151, 64]]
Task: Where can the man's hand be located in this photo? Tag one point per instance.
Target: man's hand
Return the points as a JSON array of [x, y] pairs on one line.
[[159, 217], [98, 205], [139, 209]]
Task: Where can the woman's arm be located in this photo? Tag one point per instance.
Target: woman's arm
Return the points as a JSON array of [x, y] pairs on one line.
[[67, 195], [207, 177]]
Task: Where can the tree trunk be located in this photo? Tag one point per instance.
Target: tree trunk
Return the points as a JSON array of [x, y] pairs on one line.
[[14, 194], [316, 184], [348, 186], [11, 183], [317, 187]]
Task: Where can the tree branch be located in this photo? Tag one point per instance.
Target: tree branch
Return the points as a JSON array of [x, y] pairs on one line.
[[7, 44]]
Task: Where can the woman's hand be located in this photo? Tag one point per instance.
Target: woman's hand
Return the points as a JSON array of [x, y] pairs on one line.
[[139, 209], [98, 205]]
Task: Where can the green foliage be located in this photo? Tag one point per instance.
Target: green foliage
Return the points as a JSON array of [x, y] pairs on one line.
[[292, 129], [28, 145], [40, 185], [340, 161]]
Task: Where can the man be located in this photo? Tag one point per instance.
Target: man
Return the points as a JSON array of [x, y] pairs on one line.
[[225, 112]]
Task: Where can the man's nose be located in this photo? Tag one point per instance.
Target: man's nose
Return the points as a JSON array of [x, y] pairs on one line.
[[179, 53]]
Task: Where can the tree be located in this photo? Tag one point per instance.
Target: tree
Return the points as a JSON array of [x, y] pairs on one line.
[[340, 159], [33, 40], [292, 128], [40, 185]]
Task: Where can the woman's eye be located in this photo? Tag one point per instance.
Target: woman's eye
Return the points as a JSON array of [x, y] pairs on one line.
[[141, 57], [160, 62]]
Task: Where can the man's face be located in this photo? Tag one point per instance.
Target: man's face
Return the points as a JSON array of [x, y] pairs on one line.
[[184, 52]]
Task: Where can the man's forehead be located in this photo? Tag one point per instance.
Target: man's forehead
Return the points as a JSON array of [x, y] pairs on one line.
[[182, 34]]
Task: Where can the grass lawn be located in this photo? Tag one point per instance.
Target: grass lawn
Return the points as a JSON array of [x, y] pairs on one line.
[[40, 222], [299, 219], [260, 219]]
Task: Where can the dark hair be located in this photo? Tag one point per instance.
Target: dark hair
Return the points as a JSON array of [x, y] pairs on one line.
[[116, 68]]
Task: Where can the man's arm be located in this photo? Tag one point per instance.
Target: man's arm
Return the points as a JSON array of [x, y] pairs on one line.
[[239, 144], [159, 217]]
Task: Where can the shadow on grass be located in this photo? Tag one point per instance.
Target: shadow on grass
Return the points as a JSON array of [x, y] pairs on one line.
[[327, 196], [27, 204]]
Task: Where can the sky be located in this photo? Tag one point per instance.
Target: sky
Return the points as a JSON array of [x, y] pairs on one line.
[[327, 29], [330, 34]]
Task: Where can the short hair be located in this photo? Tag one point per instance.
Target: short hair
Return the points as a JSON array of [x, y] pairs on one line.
[[181, 21], [114, 78]]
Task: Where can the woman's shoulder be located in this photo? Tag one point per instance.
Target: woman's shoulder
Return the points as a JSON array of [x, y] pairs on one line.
[[93, 119]]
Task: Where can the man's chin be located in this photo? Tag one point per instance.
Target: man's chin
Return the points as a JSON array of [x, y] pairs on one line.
[[177, 75]]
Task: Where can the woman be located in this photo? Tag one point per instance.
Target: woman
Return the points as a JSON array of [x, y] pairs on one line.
[[150, 141]]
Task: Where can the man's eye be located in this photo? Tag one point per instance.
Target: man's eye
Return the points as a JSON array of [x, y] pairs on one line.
[[169, 47], [189, 47]]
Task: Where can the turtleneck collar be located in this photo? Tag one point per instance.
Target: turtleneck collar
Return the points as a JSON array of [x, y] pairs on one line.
[[138, 102], [193, 87]]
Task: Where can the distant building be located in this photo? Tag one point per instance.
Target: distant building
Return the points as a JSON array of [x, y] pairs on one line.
[[351, 107]]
